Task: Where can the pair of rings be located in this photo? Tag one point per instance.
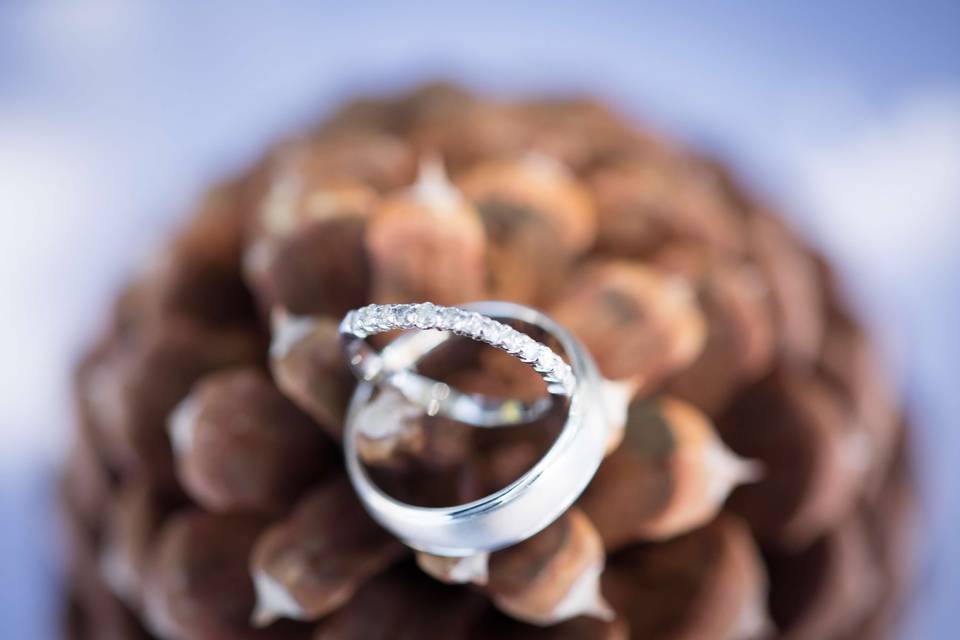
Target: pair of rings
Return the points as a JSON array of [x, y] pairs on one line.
[[538, 497]]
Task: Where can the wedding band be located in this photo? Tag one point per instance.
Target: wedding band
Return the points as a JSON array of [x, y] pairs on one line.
[[438, 398], [535, 499]]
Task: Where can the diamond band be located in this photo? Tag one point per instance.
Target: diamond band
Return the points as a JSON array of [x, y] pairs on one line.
[[380, 318]]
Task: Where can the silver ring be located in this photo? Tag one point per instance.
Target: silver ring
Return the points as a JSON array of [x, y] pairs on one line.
[[395, 366], [534, 500]]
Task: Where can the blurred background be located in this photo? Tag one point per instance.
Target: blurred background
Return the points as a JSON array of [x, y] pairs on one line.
[[115, 114]]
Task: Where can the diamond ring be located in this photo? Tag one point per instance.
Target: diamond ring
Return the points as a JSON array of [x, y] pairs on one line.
[[394, 367], [535, 499]]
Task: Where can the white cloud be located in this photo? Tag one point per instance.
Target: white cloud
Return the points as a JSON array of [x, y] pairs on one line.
[[46, 182], [884, 190]]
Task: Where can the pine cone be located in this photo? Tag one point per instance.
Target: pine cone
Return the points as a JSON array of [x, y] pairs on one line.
[[759, 487]]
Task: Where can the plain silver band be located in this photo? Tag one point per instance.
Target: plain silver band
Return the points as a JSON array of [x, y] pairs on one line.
[[525, 506], [396, 367]]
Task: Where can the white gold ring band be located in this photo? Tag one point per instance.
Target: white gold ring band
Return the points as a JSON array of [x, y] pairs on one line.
[[531, 502]]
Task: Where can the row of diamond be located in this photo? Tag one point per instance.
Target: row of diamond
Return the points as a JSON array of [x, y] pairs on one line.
[[378, 318]]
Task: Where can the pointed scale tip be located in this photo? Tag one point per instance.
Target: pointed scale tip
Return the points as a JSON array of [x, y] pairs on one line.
[[472, 569], [287, 330], [617, 396], [274, 601], [433, 188]]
